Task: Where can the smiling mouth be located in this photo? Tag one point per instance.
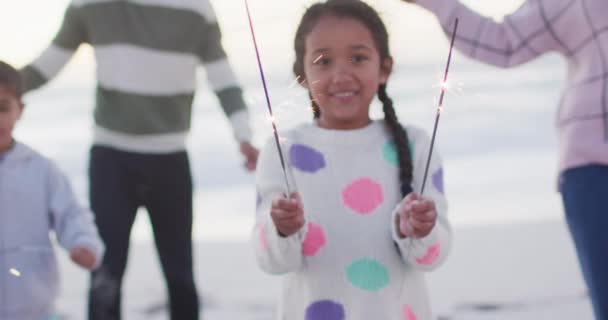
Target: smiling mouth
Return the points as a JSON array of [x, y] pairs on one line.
[[346, 94]]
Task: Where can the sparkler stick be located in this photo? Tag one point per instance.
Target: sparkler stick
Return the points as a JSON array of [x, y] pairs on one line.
[[272, 119], [443, 89]]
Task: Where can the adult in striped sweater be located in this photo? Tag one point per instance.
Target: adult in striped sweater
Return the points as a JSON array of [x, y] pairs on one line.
[[147, 53], [578, 30]]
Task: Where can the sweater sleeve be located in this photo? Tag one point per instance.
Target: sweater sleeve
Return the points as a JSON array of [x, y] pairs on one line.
[[426, 253], [275, 254], [221, 77], [73, 225], [519, 38], [70, 36]]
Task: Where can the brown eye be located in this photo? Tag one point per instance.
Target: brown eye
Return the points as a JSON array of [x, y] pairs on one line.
[[323, 61], [358, 58]]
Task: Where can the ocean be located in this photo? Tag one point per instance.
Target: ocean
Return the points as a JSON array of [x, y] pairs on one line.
[[496, 135]]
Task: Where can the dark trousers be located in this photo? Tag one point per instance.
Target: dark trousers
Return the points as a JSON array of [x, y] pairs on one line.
[[585, 196], [120, 183]]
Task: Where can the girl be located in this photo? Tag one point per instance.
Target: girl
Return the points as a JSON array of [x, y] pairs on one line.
[[350, 247]]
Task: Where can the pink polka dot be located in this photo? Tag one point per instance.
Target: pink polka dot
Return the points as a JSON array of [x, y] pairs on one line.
[[363, 195], [432, 254], [408, 313], [262, 236], [314, 241]]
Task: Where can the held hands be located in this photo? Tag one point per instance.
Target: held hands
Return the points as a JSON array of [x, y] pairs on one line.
[[251, 155], [417, 216], [83, 257], [288, 214]]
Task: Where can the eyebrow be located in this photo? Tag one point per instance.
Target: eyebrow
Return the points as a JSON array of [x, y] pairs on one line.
[[353, 47], [320, 51], [360, 47]]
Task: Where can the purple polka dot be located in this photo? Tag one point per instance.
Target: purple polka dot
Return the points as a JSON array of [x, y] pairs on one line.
[[363, 195], [258, 200], [306, 158], [438, 180], [325, 310]]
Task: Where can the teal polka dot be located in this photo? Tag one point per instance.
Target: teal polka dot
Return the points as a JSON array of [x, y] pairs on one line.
[[367, 274], [389, 150]]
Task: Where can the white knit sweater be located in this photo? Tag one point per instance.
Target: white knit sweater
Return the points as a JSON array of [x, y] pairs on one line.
[[347, 262]]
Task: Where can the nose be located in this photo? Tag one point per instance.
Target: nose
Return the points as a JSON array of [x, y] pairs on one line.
[[342, 73]]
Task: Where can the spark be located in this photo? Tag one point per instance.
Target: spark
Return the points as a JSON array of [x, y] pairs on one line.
[[444, 85], [296, 81], [267, 95]]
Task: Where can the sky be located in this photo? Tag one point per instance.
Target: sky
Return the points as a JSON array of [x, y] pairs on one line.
[[477, 139], [25, 32]]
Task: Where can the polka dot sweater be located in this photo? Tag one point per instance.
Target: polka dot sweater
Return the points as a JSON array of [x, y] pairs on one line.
[[348, 263]]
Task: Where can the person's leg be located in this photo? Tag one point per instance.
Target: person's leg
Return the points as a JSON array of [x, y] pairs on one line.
[[585, 196], [169, 203], [114, 203]]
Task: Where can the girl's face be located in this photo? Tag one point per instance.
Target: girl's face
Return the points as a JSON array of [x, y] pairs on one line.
[[10, 111], [343, 70]]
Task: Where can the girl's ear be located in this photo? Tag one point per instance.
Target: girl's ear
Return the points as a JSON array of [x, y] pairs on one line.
[[385, 69]]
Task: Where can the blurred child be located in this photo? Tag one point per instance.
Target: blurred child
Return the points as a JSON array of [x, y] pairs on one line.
[[35, 197], [353, 241]]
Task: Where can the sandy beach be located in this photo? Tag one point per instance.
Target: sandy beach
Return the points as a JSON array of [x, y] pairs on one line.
[[512, 257], [498, 272]]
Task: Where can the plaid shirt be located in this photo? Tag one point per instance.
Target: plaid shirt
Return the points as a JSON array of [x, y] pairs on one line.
[[576, 29]]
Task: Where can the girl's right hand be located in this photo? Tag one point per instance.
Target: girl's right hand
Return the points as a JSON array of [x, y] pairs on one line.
[[288, 214]]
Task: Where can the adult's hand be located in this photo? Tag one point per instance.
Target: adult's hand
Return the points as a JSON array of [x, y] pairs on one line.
[[251, 155]]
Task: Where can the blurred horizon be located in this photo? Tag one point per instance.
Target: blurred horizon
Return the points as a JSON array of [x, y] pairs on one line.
[[497, 136]]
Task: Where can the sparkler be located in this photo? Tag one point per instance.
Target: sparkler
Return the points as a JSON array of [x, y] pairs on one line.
[[15, 272], [274, 126], [444, 86]]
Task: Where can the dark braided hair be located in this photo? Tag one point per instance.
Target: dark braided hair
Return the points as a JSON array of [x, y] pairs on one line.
[[365, 14]]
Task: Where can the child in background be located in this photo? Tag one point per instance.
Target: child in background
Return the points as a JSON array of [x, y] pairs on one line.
[[353, 241], [35, 197]]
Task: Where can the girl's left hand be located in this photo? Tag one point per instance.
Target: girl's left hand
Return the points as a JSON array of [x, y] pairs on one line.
[[417, 216], [83, 257]]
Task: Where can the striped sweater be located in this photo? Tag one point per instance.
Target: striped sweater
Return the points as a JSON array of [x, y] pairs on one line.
[[147, 52], [576, 29]]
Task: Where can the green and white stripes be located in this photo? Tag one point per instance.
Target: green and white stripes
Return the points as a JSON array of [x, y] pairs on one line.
[[147, 52]]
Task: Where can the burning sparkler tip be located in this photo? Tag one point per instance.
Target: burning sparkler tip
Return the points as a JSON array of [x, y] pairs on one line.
[[15, 272]]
